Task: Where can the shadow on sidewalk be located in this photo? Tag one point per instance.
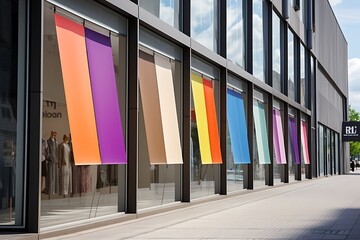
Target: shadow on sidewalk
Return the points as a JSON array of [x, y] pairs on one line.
[[344, 225]]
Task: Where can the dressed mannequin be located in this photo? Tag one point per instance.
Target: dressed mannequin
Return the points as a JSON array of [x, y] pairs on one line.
[[65, 166], [52, 179], [44, 168]]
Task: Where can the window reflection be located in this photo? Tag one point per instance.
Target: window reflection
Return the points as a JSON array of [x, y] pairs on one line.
[[12, 114], [235, 31], [303, 92], [276, 52], [291, 63], [258, 40], [204, 23], [166, 10]]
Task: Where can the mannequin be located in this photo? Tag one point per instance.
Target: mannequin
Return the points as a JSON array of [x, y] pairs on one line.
[[52, 179], [65, 166], [43, 164]]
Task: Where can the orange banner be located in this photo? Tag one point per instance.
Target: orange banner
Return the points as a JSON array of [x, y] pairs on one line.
[[212, 121], [75, 72]]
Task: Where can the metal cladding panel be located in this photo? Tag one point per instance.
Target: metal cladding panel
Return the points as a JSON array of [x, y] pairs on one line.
[[329, 103], [330, 46]]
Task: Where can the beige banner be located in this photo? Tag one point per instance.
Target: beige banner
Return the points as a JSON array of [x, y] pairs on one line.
[[151, 108], [168, 110]]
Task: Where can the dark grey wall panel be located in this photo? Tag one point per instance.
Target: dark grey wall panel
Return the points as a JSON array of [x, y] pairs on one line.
[[330, 109], [330, 46]]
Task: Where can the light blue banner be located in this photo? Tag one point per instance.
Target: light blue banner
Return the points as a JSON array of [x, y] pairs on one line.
[[237, 127], [261, 133]]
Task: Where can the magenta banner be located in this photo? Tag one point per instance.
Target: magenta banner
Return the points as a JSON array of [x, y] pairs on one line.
[[106, 102], [276, 139]]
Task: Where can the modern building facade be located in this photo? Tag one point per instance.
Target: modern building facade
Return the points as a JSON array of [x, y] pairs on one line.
[[113, 107]]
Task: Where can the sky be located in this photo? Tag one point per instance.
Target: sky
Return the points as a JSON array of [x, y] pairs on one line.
[[348, 15]]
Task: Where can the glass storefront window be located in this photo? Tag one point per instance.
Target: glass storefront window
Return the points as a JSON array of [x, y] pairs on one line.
[[276, 52], [328, 152], [312, 84], [321, 159], [291, 66], [293, 150], [259, 39], [337, 156], [205, 155], [167, 10], [261, 141], [303, 89], [12, 111], [236, 32], [237, 146], [305, 159], [160, 156], [279, 154], [80, 176], [204, 23], [333, 159]]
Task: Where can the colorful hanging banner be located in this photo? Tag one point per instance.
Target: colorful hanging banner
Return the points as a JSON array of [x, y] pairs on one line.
[[212, 121], [201, 118], [294, 140], [159, 109], [237, 127], [304, 142], [75, 72], [151, 109], [106, 103], [278, 138], [261, 133], [169, 116]]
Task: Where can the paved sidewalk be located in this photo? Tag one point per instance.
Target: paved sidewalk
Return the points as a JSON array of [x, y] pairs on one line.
[[326, 208]]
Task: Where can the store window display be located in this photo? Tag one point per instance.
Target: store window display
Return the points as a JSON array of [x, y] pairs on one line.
[[160, 118], [52, 180], [279, 153], [84, 70], [65, 167], [205, 152], [261, 140], [238, 153], [293, 143]]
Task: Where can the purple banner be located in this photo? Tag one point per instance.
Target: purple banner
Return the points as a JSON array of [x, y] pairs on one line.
[[294, 137], [106, 102]]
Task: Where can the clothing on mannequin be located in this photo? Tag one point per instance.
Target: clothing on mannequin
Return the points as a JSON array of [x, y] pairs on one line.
[[44, 168], [65, 167], [52, 178]]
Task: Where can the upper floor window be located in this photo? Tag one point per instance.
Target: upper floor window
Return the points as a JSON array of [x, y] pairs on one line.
[[204, 23], [235, 32], [258, 40], [167, 10]]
